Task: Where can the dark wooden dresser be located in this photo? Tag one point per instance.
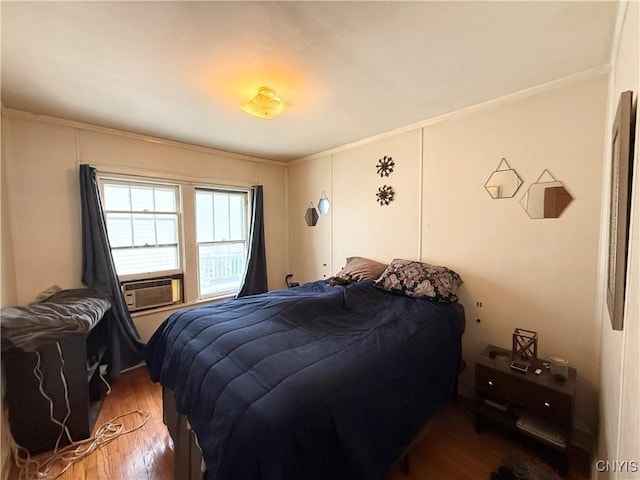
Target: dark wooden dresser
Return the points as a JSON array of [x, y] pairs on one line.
[[539, 407], [29, 411]]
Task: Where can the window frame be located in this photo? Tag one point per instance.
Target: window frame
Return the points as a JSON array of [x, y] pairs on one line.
[[247, 192], [131, 181]]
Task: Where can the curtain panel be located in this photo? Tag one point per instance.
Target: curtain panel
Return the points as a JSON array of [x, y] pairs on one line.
[[255, 277], [99, 273]]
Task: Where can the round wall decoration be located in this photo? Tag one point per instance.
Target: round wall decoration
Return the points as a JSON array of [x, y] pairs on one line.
[[385, 195], [385, 166]]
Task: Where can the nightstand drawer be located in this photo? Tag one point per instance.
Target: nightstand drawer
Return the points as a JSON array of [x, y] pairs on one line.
[[550, 404], [495, 383], [515, 389]]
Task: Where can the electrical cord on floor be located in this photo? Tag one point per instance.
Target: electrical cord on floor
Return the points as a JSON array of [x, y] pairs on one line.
[[62, 459], [104, 380]]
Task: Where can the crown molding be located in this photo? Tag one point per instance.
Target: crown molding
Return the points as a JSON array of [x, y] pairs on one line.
[[21, 114], [554, 84]]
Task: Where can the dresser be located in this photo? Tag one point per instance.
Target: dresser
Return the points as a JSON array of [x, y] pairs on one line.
[[71, 377], [536, 406]]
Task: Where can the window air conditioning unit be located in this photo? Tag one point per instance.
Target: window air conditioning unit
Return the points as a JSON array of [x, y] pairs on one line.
[[145, 294]]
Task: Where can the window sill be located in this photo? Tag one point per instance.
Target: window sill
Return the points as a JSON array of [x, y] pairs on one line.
[[182, 306]]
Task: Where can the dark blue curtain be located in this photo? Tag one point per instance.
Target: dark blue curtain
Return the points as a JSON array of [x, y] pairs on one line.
[[255, 277], [99, 273]]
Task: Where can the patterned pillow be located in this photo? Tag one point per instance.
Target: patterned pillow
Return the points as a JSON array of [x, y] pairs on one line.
[[417, 279]]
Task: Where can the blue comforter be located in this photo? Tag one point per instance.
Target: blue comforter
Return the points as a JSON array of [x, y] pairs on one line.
[[313, 382]]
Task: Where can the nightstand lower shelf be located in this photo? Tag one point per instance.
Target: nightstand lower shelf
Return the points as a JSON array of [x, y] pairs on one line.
[[536, 408], [550, 454]]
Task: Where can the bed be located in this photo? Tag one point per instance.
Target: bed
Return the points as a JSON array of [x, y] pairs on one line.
[[316, 382]]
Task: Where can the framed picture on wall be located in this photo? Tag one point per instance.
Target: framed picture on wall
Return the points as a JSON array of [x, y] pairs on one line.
[[621, 166]]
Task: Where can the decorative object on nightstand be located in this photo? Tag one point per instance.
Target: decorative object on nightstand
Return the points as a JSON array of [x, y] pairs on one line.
[[536, 406], [559, 368], [524, 344]]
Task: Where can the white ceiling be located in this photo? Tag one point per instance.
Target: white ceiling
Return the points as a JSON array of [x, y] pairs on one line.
[[178, 70]]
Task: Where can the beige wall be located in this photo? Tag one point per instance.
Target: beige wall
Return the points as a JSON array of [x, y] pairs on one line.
[[309, 247], [534, 274], [350, 181], [7, 297], [361, 226], [619, 438], [42, 194], [7, 272]]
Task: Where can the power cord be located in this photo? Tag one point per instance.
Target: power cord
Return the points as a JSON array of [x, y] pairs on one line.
[[62, 459], [102, 374], [38, 373]]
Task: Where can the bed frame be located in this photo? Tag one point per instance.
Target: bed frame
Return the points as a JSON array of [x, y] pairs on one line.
[[187, 456], [188, 460]]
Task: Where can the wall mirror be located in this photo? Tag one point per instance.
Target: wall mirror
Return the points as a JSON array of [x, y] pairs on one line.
[[311, 215], [504, 182], [324, 204], [547, 198]]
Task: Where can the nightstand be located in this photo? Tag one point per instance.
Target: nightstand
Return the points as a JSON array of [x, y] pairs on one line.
[[539, 407]]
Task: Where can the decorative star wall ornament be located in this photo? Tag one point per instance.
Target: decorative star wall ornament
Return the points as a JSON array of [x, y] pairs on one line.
[[385, 166], [385, 195]]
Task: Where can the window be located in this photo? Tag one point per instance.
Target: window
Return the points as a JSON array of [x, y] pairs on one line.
[[221, 238], [204, 248], [143, 226]]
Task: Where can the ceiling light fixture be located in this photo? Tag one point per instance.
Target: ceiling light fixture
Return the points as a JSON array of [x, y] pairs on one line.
[[266, 104]]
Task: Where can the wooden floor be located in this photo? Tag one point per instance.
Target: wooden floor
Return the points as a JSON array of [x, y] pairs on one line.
[[450, 449]]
